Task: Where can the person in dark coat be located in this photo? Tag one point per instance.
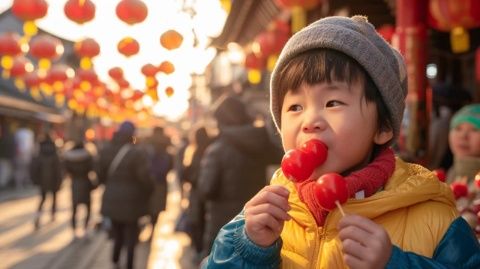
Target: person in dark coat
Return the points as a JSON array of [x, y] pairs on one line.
[[161, 162], [79, 165], [233, 168], [196, 206], [46, 173], [125, 170]]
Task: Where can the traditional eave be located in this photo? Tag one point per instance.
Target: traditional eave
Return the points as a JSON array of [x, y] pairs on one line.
[[247, 18]]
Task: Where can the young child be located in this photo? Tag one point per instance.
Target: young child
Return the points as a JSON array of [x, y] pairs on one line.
[[338, 81]]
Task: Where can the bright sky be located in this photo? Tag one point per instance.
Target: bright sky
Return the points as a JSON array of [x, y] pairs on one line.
[[163, 15]]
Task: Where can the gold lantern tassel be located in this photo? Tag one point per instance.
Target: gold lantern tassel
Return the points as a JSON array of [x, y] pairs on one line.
[[299, 18], [459, 40]]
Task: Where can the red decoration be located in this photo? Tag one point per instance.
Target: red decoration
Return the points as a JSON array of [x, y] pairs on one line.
[[32, 79], [440, 173], [171, 39], [21, 66], [299, 164], [459, 189], [46, 47], [166, 67], [116, 73], [169, 91], [386, 31], [10, 44], [123, 83], [79, 11], [444, 15], [128, 46], [29, 10], [331, 190], [87, 47], [253, 61], [149, 70], [59, 73], [282, 33], [131, 11], [306, 4], [88, 75], [477, 180]]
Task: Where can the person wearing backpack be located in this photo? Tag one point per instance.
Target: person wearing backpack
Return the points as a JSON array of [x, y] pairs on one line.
[[125, 170]]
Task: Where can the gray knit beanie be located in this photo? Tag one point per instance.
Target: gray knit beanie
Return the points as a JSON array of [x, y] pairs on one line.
[[357, 38]]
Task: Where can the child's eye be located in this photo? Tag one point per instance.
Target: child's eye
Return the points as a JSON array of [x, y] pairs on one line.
[[333, 103], [295, 108]]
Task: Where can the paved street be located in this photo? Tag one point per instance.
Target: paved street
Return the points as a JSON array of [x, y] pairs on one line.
[[55, 246]]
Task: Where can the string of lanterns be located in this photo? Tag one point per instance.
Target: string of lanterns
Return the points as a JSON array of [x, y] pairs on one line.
[[81, 90]]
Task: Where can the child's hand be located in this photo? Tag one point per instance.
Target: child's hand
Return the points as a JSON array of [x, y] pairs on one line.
[[365, 243], [265, 214]]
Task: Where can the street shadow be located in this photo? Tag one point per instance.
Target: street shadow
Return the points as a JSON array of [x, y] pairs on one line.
[[38, 237]]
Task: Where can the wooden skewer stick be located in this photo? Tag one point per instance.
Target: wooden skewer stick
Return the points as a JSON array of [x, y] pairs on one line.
[[340, 208]]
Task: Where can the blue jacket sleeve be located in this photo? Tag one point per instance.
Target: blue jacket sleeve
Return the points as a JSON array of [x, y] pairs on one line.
[[233, 249], [459, 248]]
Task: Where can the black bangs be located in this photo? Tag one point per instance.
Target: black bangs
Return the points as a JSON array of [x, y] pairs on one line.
[[316, 66]]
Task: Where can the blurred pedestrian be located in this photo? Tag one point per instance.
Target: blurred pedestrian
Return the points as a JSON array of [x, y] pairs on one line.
[[195, 213], [7, 155], [161, 162], [233, 167], [79, 165], [24, 144], [46, 171], [125, 170]]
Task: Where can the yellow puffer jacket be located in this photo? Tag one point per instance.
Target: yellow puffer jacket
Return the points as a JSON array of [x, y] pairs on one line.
[[415, 208]]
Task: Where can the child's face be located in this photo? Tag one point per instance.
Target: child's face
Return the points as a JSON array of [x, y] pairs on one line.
[[337, 114], [464, 140]]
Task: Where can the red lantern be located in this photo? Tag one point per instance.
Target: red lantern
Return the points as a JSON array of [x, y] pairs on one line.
[[171, 39], [253, 61], [87, 49], [59, 73], [444, 15], [116, 73], [131, 11], [455, 17], [149, 70], [298, 9], [21, 66], [79, 11], [169, 91], [282, 34], [306, 4], [9, 47], [10, 44], [166, 67], [45, 48], [123, 83], [88, 76], [29, 10], [128, 46]]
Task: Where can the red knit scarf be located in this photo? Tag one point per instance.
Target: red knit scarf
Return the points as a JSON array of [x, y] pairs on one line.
[[369, 179]]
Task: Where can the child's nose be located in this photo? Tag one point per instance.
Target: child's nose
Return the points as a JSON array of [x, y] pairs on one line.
[[314, 123]]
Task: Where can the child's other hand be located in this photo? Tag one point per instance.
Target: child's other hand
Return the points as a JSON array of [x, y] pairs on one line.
[[365, 243], [265, 215]]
